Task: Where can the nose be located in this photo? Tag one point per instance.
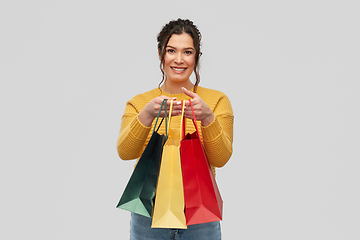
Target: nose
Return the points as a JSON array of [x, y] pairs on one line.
[[179, 58]]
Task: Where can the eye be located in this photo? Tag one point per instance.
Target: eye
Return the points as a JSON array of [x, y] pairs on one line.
[[169, 50], [188, 52]]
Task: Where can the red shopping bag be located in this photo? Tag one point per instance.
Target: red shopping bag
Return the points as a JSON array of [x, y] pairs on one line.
[[203, 202]]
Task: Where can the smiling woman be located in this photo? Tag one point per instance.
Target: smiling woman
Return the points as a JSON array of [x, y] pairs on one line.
[[182, 34], [179, 61], [179, 54]]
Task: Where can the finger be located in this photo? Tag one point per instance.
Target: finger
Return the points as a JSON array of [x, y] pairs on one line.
[[168, 103], [162, 114], [188, 113], [176, 113], [195, 104], [189, 93], [159, 103]]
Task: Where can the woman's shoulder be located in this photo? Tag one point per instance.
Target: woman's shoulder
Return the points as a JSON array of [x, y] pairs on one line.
[[146, 96], [216, 99], [210, 93]]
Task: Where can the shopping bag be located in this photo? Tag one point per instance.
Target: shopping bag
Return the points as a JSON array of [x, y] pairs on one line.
[[169, 198], [139, 193], [203, 202]]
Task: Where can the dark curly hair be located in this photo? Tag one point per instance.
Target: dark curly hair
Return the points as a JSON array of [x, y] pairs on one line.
[[179, 26]]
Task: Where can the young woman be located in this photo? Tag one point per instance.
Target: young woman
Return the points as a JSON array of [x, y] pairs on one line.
[[179, 54]]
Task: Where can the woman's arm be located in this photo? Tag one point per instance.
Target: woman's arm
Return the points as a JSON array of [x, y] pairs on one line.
[[216, 127], [218, 136], [133, 134]]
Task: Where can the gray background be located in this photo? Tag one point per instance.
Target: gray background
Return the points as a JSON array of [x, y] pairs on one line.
[[290, 69]]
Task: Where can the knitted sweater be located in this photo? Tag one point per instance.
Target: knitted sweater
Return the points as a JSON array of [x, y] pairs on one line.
[[217, 137]]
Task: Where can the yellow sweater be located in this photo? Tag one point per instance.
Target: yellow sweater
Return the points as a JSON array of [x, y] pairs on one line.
[[217, 138]]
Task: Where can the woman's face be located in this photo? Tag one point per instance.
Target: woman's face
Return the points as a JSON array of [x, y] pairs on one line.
[[179, 59]]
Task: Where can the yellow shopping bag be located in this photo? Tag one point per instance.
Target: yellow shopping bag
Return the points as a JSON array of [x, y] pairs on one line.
[[169, 199]]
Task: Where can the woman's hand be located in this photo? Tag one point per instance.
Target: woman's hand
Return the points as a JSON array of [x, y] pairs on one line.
[[202, 111], [151, 110]]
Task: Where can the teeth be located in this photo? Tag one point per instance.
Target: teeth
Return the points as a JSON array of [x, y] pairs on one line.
[[178, 69]]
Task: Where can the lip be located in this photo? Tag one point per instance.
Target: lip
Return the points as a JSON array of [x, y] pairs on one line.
[[178, 69]]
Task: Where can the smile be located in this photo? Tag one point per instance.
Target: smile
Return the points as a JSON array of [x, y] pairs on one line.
[[178, 69]]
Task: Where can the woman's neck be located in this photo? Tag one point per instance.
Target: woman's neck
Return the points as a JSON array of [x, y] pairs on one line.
[[175, 88]]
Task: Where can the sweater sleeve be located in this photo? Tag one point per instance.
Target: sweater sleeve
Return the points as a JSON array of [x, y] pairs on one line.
[[133, 134], [218, 136]]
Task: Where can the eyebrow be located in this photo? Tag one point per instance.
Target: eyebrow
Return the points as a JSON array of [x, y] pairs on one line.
[[184, 48]]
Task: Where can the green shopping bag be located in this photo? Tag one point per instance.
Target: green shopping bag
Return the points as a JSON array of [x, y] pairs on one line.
[[138, 196]]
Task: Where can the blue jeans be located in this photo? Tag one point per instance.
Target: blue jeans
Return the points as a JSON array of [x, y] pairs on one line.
[[140, 229]]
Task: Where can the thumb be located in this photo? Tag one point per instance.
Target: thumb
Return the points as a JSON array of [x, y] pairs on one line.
[[189, 93]]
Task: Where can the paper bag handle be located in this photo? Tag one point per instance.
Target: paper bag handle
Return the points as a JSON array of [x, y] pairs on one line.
[[157, 118], [171, 107], [183, 120], [194, 120], [182, 123]]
